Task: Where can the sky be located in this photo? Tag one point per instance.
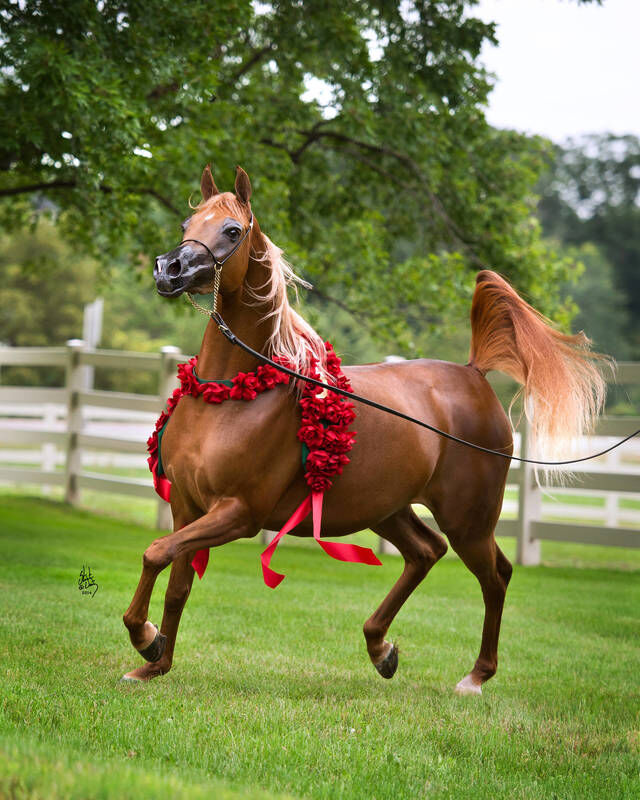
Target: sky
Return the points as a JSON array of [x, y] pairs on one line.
[[564, 69]]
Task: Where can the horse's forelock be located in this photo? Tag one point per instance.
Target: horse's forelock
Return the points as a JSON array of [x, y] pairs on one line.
[[226, 201]]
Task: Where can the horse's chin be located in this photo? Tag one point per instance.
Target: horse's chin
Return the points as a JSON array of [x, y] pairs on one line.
[[171, 292]]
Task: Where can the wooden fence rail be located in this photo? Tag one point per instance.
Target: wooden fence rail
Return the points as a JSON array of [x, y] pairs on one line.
[[611, 478]]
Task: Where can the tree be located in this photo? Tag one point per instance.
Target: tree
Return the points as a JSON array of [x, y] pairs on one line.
[[591, 194], [361, 125], [602, 306]]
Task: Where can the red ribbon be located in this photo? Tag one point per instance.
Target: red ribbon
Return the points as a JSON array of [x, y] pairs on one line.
[[339, 550], [160, 483], [200, 561]]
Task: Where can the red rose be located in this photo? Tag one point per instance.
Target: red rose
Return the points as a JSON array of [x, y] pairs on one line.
[[342, 414], [187, 380], [336, 462], [216, 392], [337, 441], [318, 461], [311, 435], [270, 376], [333, 362], [161, 420], [319, 483], [172, 402], [245, 387], [152, 444], [332, 411], [311, 407]]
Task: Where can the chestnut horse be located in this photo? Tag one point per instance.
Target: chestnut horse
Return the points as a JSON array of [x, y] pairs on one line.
[[235, 468]]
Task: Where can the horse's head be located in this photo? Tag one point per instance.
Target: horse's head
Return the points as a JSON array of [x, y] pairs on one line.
[[218, 232]]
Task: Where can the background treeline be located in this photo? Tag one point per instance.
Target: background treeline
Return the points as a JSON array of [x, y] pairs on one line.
[[362, 127]]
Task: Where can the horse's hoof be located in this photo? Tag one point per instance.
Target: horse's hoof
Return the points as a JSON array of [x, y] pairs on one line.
[[467, 686], [389, 664], [154, 651], [129, 678]]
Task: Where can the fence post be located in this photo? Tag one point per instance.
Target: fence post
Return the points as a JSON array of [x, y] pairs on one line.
[[167, 382], [74, 420], [529, 506]]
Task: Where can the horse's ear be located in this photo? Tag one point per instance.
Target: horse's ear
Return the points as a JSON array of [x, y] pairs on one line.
[[207, 184], [243, 185]]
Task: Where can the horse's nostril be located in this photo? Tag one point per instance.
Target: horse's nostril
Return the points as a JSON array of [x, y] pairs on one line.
[[174, 269]]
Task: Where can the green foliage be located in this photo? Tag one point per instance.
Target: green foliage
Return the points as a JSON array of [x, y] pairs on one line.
[[44, 284], [384, 183], [591, 196], [602, 306], [43, 288]]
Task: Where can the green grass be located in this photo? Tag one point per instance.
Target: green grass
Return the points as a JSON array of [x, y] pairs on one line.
[[272, 694]]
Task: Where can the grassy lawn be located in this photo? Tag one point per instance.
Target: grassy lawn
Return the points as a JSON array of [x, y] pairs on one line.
[[272, 694]]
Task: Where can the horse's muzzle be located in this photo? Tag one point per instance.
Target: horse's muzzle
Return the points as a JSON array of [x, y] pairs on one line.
[[183, 269]]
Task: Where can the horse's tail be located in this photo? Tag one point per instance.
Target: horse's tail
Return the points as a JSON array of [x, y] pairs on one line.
[[563, 389]]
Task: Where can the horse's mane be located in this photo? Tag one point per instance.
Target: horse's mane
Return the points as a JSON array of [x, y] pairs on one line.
[[293, 341]]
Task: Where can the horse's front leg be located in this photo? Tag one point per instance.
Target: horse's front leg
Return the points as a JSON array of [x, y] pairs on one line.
[[175, 599], [229, 519]]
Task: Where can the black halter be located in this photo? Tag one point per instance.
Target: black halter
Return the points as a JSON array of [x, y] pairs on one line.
[[216, 263]]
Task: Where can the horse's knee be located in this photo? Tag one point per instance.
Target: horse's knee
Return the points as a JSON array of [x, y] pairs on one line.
[[131, 621], [155, 558]]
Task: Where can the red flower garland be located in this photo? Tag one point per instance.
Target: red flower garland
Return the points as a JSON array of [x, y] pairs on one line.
[[326, 416], [324, 430], [324, 433]]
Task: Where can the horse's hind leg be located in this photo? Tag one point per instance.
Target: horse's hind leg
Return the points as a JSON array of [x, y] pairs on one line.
[[493, 571], [175, 598], [421, 548]]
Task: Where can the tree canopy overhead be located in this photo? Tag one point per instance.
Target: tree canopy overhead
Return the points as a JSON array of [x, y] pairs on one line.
[[361, 125]]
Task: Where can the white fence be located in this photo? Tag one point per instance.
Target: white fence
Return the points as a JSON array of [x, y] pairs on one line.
[[80, 428]]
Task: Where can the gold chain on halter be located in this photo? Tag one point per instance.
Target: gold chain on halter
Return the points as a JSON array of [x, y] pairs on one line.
[[216, 288]]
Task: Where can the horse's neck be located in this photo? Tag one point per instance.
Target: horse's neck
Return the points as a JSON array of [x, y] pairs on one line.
[[218, 358]]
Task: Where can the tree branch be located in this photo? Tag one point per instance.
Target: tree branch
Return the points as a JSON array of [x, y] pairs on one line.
[[72, 184], [255, 57], [314, 134], [355, 312]]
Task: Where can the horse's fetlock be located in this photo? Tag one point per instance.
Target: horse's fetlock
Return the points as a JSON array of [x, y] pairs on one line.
[[485, 668], [372, 630]]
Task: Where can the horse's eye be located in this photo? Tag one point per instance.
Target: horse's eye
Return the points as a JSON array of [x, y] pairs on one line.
[[232, 233]]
